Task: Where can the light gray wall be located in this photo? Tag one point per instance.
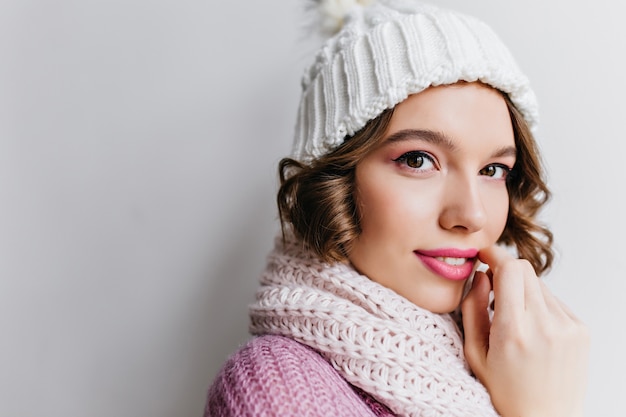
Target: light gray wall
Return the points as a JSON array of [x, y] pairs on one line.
[[138, 146]]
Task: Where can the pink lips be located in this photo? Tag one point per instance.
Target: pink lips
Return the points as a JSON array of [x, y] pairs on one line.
[[445, 270]]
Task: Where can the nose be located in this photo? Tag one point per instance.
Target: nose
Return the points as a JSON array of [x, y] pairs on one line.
[[463, 207]]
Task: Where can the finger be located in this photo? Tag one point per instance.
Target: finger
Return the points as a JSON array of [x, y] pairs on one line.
[[555, 304], [508, 282], [534, 293], [476, 323], [494, 256]]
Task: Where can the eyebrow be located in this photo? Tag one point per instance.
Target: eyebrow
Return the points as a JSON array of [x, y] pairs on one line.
[[439, 138], [431, 136]]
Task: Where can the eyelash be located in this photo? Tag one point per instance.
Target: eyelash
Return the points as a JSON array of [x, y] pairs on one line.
[[505, 168], [404, 160]]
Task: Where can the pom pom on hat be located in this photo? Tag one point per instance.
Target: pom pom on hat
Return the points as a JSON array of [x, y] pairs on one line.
[[333, 12], [382, 51]]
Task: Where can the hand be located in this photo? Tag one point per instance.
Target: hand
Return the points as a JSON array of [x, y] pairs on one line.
[[532, 357]]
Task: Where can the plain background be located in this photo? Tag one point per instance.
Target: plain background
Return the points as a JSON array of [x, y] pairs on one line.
[[138, 149]]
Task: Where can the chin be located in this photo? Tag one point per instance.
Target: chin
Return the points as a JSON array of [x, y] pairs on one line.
[[439, 304], [444, 310]]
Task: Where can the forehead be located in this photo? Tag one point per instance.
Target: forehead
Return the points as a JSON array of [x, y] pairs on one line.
[[458, 110]]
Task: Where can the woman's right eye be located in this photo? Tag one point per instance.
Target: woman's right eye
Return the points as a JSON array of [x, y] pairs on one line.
[[416, 160]]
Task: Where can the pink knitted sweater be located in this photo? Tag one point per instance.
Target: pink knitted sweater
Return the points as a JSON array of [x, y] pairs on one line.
[[277, 376]]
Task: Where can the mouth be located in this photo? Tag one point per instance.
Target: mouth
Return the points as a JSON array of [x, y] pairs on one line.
[[451, 261], [451, 264]]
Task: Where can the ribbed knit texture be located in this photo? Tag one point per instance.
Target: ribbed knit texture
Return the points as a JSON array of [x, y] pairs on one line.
[[277, 376], [406, 357], [389, 50]]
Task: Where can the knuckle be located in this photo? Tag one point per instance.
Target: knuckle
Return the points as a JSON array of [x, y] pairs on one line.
[[526, 266], [515, 266], [514, 338], [517, 346], [579, 333], [566, 333]]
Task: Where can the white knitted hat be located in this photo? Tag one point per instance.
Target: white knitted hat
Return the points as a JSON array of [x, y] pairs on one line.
[[388, 50]]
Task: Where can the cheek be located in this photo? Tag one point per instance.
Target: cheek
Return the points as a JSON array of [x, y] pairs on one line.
[[393, 207], [497, 208], [373, 205]]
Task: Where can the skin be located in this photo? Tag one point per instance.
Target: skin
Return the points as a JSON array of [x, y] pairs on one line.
[[457, 198], [533, 355]]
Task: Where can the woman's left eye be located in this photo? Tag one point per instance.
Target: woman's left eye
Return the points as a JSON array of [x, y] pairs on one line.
[[496, 171]]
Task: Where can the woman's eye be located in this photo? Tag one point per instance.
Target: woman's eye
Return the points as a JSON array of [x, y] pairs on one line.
[[495, 171], [416, 160]]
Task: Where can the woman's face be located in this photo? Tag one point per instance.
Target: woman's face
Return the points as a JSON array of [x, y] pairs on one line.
[[434, 193]]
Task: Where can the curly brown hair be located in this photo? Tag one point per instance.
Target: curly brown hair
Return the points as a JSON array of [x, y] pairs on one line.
[[316, 200]]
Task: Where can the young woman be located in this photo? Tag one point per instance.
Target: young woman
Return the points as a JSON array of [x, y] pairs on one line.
[[405, 279]]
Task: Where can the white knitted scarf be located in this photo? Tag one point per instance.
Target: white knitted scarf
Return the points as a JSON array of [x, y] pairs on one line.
[[406, 357]]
